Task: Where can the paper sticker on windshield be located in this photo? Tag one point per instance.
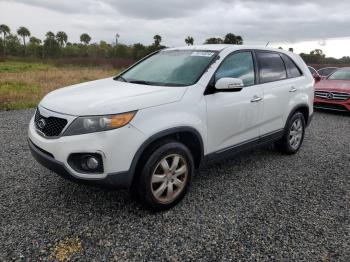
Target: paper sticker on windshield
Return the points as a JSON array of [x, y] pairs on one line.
[[206, 54]]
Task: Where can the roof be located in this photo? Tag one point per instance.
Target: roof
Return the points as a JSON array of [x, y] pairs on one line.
[[220, 47], [201, 47], [346, 68]]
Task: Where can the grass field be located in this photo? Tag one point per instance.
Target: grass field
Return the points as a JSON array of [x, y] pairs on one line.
[[22, 84]]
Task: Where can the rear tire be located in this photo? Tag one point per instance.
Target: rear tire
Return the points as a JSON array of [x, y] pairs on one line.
[[165, 176], [293, 136]]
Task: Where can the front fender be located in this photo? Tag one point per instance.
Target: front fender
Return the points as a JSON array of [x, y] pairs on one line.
[[151, 121]]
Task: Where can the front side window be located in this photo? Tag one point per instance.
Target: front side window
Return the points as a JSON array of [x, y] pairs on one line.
[[238, 65], [271, 67], [170, 68]]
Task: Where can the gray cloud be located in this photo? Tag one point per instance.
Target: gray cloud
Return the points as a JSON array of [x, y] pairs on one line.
[[157, 9], [68, 6], [258, 21]]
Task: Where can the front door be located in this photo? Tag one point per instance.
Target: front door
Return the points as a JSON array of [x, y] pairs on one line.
[[233, 117]]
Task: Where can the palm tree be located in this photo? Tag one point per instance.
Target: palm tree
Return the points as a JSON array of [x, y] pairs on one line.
[[157, 40], [50, 35], [23, 32], [4, 29], [35, 41], [85, 38], [50, 38], [116, 38], [189, 40], [61, 38]]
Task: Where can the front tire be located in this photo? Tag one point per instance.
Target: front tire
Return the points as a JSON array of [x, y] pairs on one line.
[[293, 136], [165, 176]]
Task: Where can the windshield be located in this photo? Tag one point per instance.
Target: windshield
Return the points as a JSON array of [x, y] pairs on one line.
[[327, 71], [312, 70], [170, 68], [340, 75]]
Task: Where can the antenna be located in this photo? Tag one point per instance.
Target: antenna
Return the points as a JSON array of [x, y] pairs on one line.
[[267, 43]]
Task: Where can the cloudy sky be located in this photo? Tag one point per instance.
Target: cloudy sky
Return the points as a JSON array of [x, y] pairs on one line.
[[301, 24]]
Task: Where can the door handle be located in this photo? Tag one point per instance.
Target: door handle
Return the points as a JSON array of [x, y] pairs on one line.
[[293, 89], [256, 99]]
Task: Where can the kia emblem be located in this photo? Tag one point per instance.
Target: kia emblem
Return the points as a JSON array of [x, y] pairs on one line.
[[41, 123]]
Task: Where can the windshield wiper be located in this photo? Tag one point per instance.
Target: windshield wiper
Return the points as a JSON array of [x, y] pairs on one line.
[[122, 78], [142, 82]]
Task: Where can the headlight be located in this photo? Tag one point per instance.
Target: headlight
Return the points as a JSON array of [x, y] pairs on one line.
[[90, 124]]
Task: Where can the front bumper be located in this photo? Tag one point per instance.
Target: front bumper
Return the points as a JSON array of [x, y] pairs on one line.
[[116, 180], [117, 148], [335, 105]]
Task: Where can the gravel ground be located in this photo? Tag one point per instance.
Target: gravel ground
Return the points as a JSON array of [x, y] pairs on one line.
[[259, 206]]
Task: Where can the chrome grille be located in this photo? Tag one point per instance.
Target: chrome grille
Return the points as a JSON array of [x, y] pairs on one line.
[[332, 95], [49, 126]]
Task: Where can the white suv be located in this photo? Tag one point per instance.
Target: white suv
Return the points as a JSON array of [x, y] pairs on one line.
[[149, 128]]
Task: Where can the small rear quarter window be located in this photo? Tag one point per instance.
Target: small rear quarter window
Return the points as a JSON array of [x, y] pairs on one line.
[[292, 69]]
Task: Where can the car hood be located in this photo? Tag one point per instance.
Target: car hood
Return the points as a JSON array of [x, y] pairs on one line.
[[108, 96], [333, 85]]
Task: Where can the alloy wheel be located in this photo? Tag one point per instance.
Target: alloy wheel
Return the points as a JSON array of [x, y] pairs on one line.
[[169, 178], [296, 134]]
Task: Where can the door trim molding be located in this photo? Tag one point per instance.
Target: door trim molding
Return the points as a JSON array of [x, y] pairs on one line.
[[243, 146]]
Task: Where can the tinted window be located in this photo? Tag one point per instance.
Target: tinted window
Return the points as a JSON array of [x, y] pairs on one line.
[[271, 67], [292, 69], [238, 65]]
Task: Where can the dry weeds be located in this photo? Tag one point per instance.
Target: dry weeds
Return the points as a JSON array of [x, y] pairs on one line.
[[25, 89]]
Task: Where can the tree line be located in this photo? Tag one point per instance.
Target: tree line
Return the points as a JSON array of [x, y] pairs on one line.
[[317, 56], [22, 43]]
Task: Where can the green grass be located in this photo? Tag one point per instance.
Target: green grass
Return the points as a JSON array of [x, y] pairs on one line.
[[18, 67], [8, 89], [16, 105]]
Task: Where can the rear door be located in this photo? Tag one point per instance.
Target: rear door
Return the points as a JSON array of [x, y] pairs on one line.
[[277, 89]]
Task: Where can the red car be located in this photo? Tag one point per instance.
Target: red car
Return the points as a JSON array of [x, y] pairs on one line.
[[333, 93]]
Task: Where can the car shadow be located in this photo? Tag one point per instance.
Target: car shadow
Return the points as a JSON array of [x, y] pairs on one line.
[[332, 112], [103, 201]]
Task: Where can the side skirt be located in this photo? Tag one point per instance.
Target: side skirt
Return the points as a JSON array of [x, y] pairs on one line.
[[244, 146]]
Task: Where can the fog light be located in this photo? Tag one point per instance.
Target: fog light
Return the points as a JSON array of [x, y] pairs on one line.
[[87, 163], [92, 162]]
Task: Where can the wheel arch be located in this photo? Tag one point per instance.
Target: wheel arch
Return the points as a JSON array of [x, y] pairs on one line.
[[189, 136], [302, 108]]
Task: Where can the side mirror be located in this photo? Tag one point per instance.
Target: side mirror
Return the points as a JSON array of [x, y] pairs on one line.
[[317, 77], [229, 83]]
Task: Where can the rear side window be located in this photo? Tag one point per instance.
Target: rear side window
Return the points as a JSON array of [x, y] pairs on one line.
[[271, 67], [292, 69]]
